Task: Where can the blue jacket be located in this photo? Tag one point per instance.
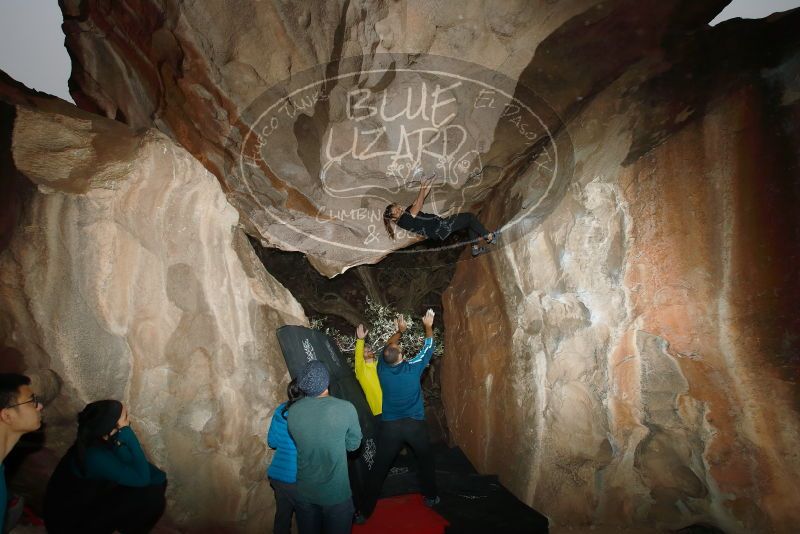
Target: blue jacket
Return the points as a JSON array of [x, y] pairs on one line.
[[3, 496], [284, 463], [402, 393]]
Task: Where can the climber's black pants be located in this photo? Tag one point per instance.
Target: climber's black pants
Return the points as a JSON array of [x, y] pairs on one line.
[[454, 223]]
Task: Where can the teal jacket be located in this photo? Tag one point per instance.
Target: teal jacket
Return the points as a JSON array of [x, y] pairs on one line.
[[324, 429], [123, 463], [402, 394]]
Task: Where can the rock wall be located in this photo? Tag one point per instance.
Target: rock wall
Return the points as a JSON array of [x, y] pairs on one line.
[[127, 276], [199, 71], [627, 358], [631, 358]]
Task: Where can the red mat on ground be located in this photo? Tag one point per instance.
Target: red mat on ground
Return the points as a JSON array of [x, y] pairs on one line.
[[405, 514]]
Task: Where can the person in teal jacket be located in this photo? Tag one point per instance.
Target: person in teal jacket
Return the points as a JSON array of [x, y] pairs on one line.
[[104, 482], [403, 418], [282, 471]]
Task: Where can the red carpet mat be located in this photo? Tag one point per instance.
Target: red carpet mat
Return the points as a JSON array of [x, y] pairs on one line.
[[404, 514], [470, 502]]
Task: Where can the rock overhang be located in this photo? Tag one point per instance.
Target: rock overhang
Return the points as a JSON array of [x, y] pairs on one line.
[[355, 148], [197, 73]]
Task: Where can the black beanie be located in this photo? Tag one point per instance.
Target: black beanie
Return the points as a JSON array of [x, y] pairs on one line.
[[314, 378], [99, 418]]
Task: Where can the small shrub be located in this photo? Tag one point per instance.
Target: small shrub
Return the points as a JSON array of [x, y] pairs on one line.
[[381, 327]]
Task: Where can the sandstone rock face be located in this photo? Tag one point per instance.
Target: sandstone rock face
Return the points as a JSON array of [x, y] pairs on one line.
[[632, 360], [205, 73], [629, 356], [128, 278]]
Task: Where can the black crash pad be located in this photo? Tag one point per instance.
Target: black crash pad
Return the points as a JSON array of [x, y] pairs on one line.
[[301, 345]]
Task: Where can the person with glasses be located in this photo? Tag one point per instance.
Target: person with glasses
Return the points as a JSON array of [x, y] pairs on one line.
[[104, 482], [20, 413]]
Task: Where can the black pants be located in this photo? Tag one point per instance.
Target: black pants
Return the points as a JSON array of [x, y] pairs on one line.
[[454, 223], [395, 434], [377, 421], [122, 509], [138, 509], [330, 519], [286, 498]]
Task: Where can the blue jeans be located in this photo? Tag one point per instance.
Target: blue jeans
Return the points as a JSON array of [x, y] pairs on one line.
[[329, 519], [286, 498]]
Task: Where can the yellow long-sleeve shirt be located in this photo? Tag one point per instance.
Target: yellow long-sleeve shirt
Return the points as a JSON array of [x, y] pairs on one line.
[[367, 376]]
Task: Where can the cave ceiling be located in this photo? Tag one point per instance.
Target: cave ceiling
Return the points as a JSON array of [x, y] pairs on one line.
[[315, 117]]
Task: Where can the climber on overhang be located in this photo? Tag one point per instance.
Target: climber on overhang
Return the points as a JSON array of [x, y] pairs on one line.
[[432, 226]]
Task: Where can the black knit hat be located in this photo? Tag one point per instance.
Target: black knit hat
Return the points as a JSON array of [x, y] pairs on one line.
[[314, 378], [99, 418]]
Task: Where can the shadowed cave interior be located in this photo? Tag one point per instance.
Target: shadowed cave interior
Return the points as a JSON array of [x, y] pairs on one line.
[[623, 359]]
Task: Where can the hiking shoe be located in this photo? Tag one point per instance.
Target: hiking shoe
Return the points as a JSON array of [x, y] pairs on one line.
[[478, 250], [430, 502], [495, 237]]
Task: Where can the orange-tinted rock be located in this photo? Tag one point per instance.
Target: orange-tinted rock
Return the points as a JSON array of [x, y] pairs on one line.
[[627, 358], [196, 72], [649, 368], [127, 277]]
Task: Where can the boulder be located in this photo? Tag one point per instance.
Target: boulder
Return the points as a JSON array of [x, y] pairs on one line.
[[126, 276], [627, 357], [314, 115], [630, 358]]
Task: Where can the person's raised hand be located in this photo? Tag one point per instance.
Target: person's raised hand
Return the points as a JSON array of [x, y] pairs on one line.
[[123, 420], [400, 323], [361, 332], [427, 319]]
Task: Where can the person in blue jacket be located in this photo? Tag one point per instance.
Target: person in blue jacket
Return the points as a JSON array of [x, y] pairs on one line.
[[282, 471], [403, 417], [104, 482]]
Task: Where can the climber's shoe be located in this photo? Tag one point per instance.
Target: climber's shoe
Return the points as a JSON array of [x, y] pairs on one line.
[[478, 250], [430, 502]]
